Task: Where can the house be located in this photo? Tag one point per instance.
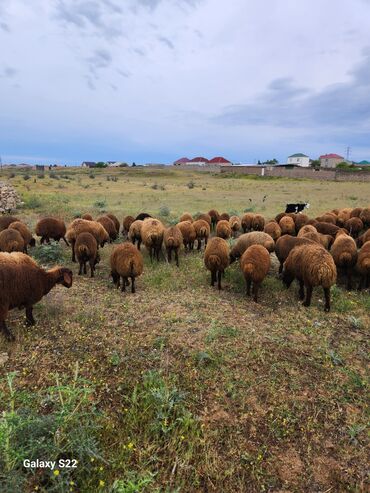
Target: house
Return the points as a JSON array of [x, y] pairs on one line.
[[89, 164], [116, 164], [221, 161], [200, 161], [180, 161], [299, 159], [330, 160], [364, 163]]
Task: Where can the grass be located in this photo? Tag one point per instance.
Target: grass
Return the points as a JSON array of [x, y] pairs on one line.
[[181, 388]]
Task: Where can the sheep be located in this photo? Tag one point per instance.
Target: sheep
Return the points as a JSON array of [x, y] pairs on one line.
[[25, 233], [343, 216], [307, 228], [186, 217], [300, 220], [280, 216], [188, 234], [224, 216], [312, 266], [285, 244], [115, 221], [312, 235], [287, 226], [205, 217], [327, 228], [247, 222], [344, 252], [313, 222], [356, 212], [142, 216], [354, 225], [363, 265], [109, 226], [78, 226], [363, 238], [216, 259], [87, 216], [51, 227], [365, 216], [223, 229], [126, 262], [215, 217], [258, 222], [172, 238], [248, 239], [86, 248], [152, 236], [255, 264], [126, 223], [273, 229], [328, 217], [326, 241], [235, 224], [202, 231], [6, 220], [134, 233], [23, 283], [11, 241]]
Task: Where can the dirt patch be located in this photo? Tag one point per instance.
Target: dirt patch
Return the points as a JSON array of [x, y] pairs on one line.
[[290, 466]]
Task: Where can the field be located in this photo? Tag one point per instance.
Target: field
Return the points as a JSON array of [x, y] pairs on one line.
[[180, 388]]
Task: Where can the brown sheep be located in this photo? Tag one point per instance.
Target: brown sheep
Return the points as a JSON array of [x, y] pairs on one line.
[[81, 226], [51, 228], [313, 222], [215, 217], [253, 238], [188, 234], [6, 220], [354, 225], [134, 233], [285, 245], [202, 231], [258, 222], [312, 266], [205, 217], [87, 216], [365, 216], [356, 212], [329, 217], [25, 233], [216, 259], [224, 216], [173, 240], [307, 228], [327, 228], [109, 227], [287, 226], [247, 219], [344, 252], [223, 229], [273, 229], [280, 216], [11, 241], [255, 264], [235, 224], [343, 216], [326, 241], [363, 238], [312, 235], [126, 223], [363, 265], [300, 220], [152, 236], [115, 221], [23, 283], [126, 262], [186, 217], [86, 248]]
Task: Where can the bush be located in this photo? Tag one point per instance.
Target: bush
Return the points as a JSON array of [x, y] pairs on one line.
[[48, 254], [26, 176], [54, 176], [191, 184], [32, 202], [164, 211], [91, 175], [100, 204]]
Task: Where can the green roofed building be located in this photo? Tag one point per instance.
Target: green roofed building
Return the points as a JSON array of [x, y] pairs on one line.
[[299, 159]]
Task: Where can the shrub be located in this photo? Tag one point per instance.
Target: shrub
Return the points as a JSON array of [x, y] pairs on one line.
[[100, 204], [91, 175], [191, 184], [48, 254], [26, 176], [164, 211], [32, 202], [54, 176]]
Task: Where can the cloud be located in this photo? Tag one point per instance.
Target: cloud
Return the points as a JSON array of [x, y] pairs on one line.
[[8, 72], [166, 42]]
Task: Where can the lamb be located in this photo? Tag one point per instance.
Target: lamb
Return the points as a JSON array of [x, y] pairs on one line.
[[216, 259], [126, 223], [115, 221], [247, 222], [363, 265], [6, 220], [202, 231], [11, 241], [126, 262], [363, 238], [188, 234], [86, 248], [287, 226], [142, 216], [215, 217], [365, 216], [109, 227], [224, 216], [81, 226], [248, 239], [258, 222], [255, 264], [205, 217], [223, 229], [152, 235], [134, 233], [186, 217], [312, 266], [285, 245], [235, 224], [87, 216], [300, 220], [273, 229], [327, 228], [354, 225], [25, 233], [23, 283], [173, 240], [344, 252], [51, 228]]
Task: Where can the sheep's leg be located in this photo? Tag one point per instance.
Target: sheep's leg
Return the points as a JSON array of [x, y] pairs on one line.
[[177, 257], [169, 254], [213, 277], [327, 299], [92, 268], [85, 269], [29, 316], [367, 283], [281, 267], [65, 241], [219, 276], [124, 281], [248, 281], [158, 250], [301, 290], [349, 278], [138, 243], [4, 328], [255, 291], [73, 251], [361, 283], [80, 269], [205, 241], [307, 301], [132, 284], [199, 244]]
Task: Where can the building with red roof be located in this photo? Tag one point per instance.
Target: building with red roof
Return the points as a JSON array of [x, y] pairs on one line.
[[220, 160], [182, 160], [330, 160], [199, 160]]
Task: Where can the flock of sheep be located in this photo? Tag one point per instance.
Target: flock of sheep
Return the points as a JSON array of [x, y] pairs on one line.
[[309, 250]]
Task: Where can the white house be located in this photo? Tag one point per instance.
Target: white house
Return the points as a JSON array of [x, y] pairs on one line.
[[299, 159]]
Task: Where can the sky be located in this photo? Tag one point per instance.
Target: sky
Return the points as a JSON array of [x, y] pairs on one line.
[[156, 80]]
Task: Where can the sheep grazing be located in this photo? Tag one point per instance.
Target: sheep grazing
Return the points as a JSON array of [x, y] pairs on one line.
[[326, 241], [312, 266], [223, 229], [25, 233], [255, 264], [51, 228], [287, 226], [312, 235], [343, 216], [152, 236], [6, 220], [344, 252], [273, 229], [329, 217], [134, 233], [363, 265], [11, 241], [354, 225], [215, 217], [361, 240], [253, 238], [86, 248], [126, 223], [307, 228], [172, 238], [126, 262], [186, 217], [247, 222], [312, 222], [202, 231], [356, 212], [142, 216], [285, 245], [216, 259], [83, 226], [87, 216], [300, 220], [109, 227], [235, 224], [206, 218], [188, 234], [115, 221], [224, 216], [23, 283], [365, 216], [280, 216], [258, 222], [327, 228]]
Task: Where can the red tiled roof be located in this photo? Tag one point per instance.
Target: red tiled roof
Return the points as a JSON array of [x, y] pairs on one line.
[[199, 160], [219, 160], [331, 156], [182, 160]]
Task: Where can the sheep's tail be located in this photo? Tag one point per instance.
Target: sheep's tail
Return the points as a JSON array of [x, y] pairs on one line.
[[325, 275], [84, 252], [170, 241], [366, 264], [215, 261], [248, 270], [203, 232], [346, 258], [13, 246]]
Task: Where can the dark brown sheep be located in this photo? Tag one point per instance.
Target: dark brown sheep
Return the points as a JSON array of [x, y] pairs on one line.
[[235, 224], [126, 223], [134, 233], [115, 221], [312, 266], [280, 216], [363, 238], [25, 233], [216, 259], [188, 234], [109, 227], [273, 229], [343, 216], [285, 245], [23, 283], [223, 229], [247, 219], [253, 238], [307, 228], [326, 241], [142, 216], [313, 222], [84, 226], [354, 225], [126, 262], [300, 220], [224, 216], [202, 231], [215, 217], [255, 264], [258, 222], [344, 252], [287, 226], [87, 216], [6, 220], [363, 265], [329, 217], [86, 248], [172, 238], [11, 241], [356, 212], [186, 217], [365, 216], [327, 228], [152, 232], [51, 228], [205, 217]]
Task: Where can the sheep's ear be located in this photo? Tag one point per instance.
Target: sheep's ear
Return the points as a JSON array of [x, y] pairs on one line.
[[67, 278]]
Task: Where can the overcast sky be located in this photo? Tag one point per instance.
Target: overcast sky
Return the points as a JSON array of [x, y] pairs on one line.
[[156, 80]]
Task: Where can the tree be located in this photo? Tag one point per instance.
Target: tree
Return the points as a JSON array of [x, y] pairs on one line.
[[271, 161], [315, 163], [100, 164]]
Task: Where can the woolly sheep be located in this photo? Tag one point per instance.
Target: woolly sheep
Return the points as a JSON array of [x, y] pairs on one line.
[[87, 216], [354, 225], [81, 226], [25, 233], [300, 220], [115, 221], [205, 217], [188, 234], [253, 238], [255, 264], [11, 241], [363, 238], [126, 223], [247, 219], [287, 226], [126, 262], [223, 229], [215, 217], [235, 224], [216, 259], [285, 245], [152, 236], [109, 227], [186, 217], [258, 222], [363, 265], [273, 229], [51, 228], [202, 231], [86, 248], [224, 216], [172, 238], [344, 252], [327, 228], [134, 233], [6, 220], [365, 216]]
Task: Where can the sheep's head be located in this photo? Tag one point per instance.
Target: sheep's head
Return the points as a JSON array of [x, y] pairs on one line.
[[65, 278], [287, 277]]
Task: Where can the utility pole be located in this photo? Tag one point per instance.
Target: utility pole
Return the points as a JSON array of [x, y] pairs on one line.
[[348, 152]]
